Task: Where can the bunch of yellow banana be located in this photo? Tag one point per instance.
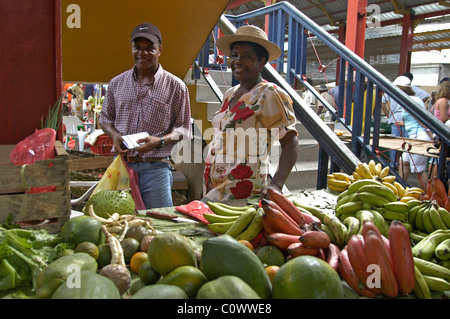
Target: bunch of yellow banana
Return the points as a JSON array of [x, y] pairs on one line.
[[241, 223], [430, 276], [427, 216], [372, 170], [339, 181]]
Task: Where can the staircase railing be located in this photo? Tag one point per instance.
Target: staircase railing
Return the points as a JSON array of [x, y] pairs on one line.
[[360, 118]]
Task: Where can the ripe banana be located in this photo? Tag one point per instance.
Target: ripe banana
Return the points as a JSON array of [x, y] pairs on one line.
[[353, 225], [431, 269], [364, 170], [241, 223], [397, 206], [372, 199], [421, 289], [341, 176], [337, 185], [436, 283], [253, 228], [384, 172], [414, 203], [214, 218], [356, 176], [442, 251], [391, 187], [388, 179], [380, 190], [426, 247], [412, 193], [373, 168], [445, 215], [400, 188], [378, 169]]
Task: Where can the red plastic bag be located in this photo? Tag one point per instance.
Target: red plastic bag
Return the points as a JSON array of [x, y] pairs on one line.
[[195, 209], [38, 146], [134, 185]]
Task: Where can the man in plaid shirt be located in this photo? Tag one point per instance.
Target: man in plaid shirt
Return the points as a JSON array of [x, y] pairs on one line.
[[149, 99]]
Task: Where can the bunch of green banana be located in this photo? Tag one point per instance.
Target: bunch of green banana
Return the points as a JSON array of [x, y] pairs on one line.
[[335, 229], [241, 223], [429, 277], [427, 216], [434, 245]]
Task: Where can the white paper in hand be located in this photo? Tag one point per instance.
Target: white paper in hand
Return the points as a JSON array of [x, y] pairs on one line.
[[130, 140]]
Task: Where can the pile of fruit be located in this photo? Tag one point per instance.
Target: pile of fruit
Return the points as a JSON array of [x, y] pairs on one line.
[[379, 240]]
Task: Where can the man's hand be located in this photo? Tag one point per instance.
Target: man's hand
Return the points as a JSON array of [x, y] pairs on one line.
[[150, 143]]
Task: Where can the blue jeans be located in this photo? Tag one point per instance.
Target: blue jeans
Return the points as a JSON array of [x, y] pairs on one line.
[[155, 183], [395, 131]]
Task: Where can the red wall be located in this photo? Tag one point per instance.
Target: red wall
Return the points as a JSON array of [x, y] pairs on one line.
[[29, 65]]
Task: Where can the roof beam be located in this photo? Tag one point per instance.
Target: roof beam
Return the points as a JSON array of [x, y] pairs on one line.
[[319, 5]]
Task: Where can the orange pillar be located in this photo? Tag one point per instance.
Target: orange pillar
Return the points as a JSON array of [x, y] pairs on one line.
[[356, 26]]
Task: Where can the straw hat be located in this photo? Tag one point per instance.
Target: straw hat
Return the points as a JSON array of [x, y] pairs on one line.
[[248, 33]]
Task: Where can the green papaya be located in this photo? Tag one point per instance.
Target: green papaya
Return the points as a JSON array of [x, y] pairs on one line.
[[91, 286], [224, 255], [188, 278], [160, 291], [227, 287], [57, 272], [82, 228]]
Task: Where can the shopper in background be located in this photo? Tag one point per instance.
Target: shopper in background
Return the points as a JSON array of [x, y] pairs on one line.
[[421, 93], [441, 108], [147, 98], [413, 163]]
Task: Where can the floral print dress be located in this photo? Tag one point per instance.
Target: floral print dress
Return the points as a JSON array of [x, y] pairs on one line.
[[237, 160]]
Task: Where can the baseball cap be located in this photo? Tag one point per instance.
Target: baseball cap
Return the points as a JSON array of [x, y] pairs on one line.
[[148, 31], [402, 81]]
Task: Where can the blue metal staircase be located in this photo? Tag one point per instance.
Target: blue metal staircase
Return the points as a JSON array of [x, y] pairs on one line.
[[287, 23]]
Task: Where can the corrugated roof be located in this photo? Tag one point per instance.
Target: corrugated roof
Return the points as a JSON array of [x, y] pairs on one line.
[[330, 14], [431, 20]]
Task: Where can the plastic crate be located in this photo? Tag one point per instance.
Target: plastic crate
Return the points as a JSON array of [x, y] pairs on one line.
[[103, 145]]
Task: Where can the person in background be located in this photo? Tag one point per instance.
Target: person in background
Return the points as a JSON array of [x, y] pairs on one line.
[[323, 90], [413, 163], [431, 101], [441, 108], [308, 96], [237, 166], [422, 94], [148, 98], [88, 91]]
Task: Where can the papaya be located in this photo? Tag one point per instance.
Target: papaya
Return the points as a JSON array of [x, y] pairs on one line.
[[188, 278], [160, 291], [223, 255], [57, 272], [227, 287], [170, 250], [82, 228], [91, 286], [307, 277]]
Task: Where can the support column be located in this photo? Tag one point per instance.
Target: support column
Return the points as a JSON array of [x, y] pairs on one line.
[[356, 26], [406, 45]]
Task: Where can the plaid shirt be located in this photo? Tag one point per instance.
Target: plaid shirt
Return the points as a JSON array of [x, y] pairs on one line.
[[157, 108]]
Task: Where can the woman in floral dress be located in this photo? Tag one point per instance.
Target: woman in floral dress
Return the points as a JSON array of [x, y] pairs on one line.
[[255, 113]]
